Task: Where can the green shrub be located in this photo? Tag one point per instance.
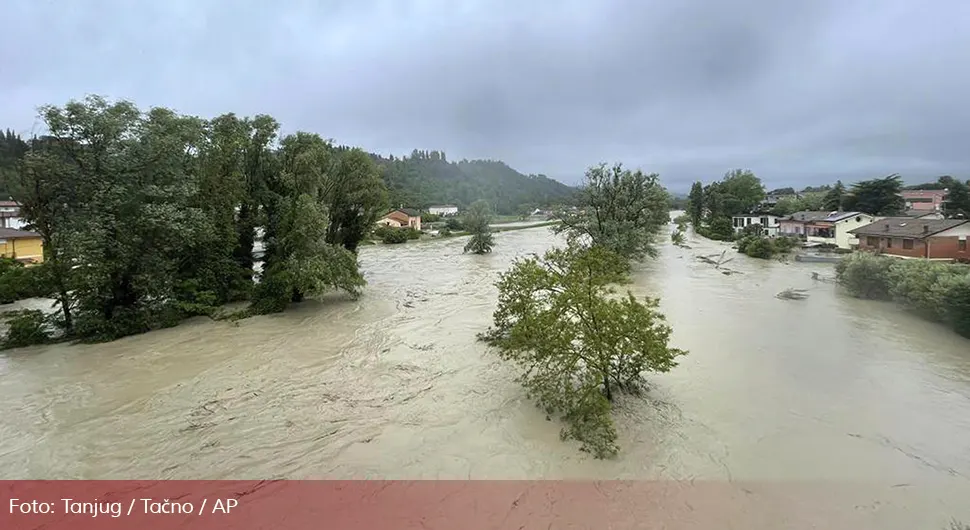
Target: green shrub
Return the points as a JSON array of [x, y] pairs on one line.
[[18, 282], [865, 275], [921, 285], [719, 229], [25, 328], [956, 303], [394, 236], [764, 247], [454, 224], [412, 233]]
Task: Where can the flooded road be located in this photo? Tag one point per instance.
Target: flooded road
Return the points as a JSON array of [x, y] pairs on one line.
[[394, 385]]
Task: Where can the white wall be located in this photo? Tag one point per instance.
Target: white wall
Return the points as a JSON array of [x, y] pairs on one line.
[[842, 236]]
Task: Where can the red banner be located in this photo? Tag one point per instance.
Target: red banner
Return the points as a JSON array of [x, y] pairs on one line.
[[463, 505]]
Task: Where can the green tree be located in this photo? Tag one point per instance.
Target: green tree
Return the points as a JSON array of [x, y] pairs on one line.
[[355, 196], [298, 260], [833, 198], [957, 197], [876, 196], [744, 188], [621, 210], [576, 342], [695, 203], [477, 221]]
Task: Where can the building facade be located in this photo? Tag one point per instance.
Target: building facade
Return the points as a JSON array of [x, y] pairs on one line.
[[926, 200], [832, 228], [937, 239], [21, 245], [769, 223], [443, 210], [402, 217]]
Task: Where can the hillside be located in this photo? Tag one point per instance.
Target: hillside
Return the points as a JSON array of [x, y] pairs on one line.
[[426, 177]]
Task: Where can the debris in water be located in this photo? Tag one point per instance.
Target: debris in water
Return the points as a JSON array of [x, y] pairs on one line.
[[792, 294], [719, 262]]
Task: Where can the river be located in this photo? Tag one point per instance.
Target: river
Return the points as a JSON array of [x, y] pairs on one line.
[[394, 385]]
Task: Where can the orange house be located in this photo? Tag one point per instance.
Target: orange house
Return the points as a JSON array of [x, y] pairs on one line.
[[402, 217]]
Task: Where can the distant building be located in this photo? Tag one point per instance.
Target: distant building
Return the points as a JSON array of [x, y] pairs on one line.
[[21, 245], [920, 214], [825, 227], [443, 210], [924, 199], [769, 223], [906, 237], [402, 217], [10, 215]]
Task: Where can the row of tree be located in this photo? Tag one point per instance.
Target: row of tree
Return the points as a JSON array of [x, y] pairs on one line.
[[149, 217], [578, 344]]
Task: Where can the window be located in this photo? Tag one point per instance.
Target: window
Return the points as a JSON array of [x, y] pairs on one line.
[[872, 241], [908, 244], [889, 242], [962, 245], [764, 221], [749, 221]]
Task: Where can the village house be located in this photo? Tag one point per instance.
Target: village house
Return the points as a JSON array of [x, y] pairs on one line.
[[443, 210], [919, 214], [402, 217], [825, 227], [768, 222], [21, 245], [906, 237], [10, 215], [924, 200]]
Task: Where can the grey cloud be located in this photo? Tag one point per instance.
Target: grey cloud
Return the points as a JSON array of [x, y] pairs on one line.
[[799, 91]]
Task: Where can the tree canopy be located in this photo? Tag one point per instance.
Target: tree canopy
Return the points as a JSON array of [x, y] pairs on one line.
[[620, 209], [876, 197], [476, 221]]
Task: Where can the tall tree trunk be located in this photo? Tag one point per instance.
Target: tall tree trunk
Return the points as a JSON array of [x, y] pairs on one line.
[[608, 388]]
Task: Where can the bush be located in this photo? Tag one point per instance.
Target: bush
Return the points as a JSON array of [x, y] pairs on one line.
[[18, 282], [764, 247], [411, 233], [719, 229], [454, 224], [936, 291], [865, 275], [26, 327], [394, 236]]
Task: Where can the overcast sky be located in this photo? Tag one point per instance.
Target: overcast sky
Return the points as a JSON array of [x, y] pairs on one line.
[[801, 92]]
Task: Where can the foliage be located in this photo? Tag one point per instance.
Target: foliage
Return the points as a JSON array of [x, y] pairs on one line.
[[865, 275], [695, 203], [957, 197], [620, 210], [148, 217], [19, 282], [876, 196], [759, 246], [807, 201], [677, 237], [719, 229], [477, 221], [394, 236], [681, 221], [24, 328], [426, 177], [833, 198], [936, 291], [577, 343], [454, 224], [430, 217]]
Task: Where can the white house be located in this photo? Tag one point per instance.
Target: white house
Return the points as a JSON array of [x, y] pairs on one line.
[[10, 215], [826, 227], [443, 210], [768, 222]]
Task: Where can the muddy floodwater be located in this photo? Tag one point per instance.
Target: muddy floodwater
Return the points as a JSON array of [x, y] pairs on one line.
[[394, 385]]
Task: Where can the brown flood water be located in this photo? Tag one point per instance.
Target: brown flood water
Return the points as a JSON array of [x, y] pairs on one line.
[[394, 385]]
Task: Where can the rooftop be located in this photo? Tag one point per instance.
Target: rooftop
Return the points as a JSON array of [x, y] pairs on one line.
[[828, 216], [907, 227], [13, 233]]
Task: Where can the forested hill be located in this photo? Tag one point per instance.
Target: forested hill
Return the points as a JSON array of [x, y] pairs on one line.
[[426, 177]]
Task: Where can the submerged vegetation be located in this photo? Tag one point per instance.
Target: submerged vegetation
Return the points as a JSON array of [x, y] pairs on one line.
[[560, 318], [936, 291], [476, 222], [149, 217]]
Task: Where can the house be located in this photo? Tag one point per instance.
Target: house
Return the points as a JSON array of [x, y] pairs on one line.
[[443, 210], [919, 214], [21, 245], [924, 199], [402, 217], [769, 223], [10, 215], [907, 237], [825, 227]]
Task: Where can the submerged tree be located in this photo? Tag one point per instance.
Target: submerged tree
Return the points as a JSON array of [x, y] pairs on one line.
[[577, 343], [621, 210], [477, 222]]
